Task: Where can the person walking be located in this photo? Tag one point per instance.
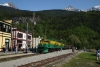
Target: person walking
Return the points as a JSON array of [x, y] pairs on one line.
[[16, 50], [4, 48], [84, 49], [73, 49], [97, 54]]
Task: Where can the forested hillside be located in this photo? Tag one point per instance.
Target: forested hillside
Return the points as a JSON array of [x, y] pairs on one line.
[[81, 29], [74, 28], [8, 13]]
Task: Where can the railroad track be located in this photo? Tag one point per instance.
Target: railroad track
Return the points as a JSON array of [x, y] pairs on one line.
[[46, 61]]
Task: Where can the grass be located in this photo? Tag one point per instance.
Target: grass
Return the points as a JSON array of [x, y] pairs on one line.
[[86, 59]]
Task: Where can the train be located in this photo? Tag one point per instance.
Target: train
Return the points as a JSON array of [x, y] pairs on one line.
[[47, 45]]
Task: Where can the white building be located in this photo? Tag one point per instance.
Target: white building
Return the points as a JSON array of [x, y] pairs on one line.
[[19, 39], [36, 41]]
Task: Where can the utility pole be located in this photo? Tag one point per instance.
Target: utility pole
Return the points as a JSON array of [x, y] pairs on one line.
[[32, 38], [32, 34], [34, 23], [27, 38]]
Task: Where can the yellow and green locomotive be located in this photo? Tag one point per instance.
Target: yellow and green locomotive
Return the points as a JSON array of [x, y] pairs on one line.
[[47, 45]]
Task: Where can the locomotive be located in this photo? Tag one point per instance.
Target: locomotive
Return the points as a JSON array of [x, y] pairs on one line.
[[47, 45]]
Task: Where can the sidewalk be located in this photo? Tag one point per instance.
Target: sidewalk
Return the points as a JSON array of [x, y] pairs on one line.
[[9, 53], [13, 54]]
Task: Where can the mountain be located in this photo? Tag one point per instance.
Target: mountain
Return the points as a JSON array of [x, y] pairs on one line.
[[96, 8], [70, 8], [9, 4]]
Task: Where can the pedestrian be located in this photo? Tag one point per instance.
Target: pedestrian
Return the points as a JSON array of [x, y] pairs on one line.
[[4, 48], [10, 49], [97, 54], [73, 49], [84, 49], [16, 50], [76, 48]]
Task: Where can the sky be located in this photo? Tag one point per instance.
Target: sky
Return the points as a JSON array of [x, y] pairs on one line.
[[38, 5]]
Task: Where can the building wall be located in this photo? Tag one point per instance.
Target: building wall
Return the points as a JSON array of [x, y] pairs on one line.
[[6, 40], [5, 35], [24, 42], [24, 36], [1, 39], [36, 42]]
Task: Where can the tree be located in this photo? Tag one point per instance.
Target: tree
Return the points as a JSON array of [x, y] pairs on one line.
[[74, 40]]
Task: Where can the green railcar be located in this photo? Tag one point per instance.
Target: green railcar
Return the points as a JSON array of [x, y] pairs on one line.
[[46, 46]]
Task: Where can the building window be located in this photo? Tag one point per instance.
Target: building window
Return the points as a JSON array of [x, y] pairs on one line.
[[14, 30], [1, 26], [19, 41], [29, 37], [9, 30], [19, 35], [4, 28]]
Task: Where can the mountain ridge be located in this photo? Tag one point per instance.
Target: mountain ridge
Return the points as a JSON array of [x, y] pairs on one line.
[[69, 8], [9, 4]]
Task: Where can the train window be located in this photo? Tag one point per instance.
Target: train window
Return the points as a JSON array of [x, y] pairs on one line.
[[46, 41]]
